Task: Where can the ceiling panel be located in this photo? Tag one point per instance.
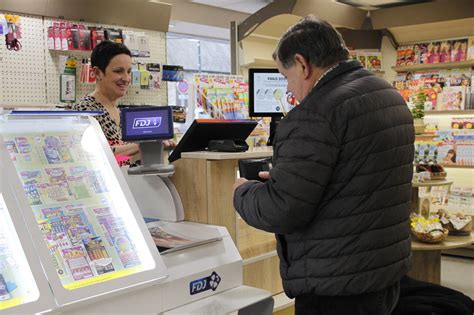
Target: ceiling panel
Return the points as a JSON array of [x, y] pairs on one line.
[[434, 31], [246, 6]]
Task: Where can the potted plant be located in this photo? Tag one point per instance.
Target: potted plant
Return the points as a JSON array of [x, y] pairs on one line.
[[418, 112]]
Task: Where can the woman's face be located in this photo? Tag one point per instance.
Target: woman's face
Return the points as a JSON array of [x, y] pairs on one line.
[[116, 79]]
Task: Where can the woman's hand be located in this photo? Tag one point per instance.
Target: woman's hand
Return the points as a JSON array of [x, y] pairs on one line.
[[169, 144], [126, 149]]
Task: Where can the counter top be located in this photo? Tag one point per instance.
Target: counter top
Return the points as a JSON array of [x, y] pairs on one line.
[[431, 183], [449, 243], [259, 152]]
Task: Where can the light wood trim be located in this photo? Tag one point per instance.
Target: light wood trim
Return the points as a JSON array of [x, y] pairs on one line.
[[221, 175], [264, 274], [435, 66], [458, 166], [258, 152], [190, 180]]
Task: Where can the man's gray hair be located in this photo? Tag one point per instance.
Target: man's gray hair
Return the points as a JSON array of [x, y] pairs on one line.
[[316, 40]]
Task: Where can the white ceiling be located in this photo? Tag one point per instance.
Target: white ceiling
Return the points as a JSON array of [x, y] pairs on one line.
[[246, 6]]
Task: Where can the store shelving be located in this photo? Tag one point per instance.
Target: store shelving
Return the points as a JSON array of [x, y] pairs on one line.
[[459, 166], [434, 66], [450, 112]]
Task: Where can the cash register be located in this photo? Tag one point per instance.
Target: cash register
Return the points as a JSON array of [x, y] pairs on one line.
[[149, 182]]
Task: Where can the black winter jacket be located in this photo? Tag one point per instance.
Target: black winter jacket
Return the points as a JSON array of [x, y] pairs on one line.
[[340, 188]]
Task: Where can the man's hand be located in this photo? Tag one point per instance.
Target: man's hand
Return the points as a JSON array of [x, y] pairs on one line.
[[264, 175], [239, 181]]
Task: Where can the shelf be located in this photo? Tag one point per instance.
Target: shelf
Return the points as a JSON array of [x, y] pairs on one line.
[[435, 66], [262, 63], [458, 166], [450, 112], [426, 136]]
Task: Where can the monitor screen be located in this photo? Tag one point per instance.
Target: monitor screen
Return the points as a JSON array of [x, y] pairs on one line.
[[202, 131], [146, 123], [268, 93]]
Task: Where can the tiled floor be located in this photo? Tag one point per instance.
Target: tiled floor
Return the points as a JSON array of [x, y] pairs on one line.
[[458, 274]]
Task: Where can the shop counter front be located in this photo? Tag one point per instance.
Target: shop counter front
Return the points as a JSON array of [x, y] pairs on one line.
[[204, 181]]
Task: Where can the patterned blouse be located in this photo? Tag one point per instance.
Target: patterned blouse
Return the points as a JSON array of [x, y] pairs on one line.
[[112, 131]]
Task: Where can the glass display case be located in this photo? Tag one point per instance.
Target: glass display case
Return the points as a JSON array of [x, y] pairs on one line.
[[81, 214]]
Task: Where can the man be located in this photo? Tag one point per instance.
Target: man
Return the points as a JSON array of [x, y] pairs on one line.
[[338, 196]]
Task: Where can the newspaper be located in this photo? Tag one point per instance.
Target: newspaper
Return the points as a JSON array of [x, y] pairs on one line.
[[173, 236]]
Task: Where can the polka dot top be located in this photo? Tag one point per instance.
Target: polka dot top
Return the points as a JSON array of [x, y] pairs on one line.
[[112, 131]]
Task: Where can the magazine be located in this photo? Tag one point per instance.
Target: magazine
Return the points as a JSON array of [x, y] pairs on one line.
[[173, 236]]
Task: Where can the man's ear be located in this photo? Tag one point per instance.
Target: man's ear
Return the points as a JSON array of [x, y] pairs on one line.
[[304, 64]]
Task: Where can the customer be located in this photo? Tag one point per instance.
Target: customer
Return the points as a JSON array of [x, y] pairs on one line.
[[112, 66], [338, 196]]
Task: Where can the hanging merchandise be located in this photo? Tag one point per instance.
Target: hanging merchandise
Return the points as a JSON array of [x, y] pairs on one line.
[[68, 81], [87, 74], [172, 73], [13, 36], [155, 75], [144, 77]]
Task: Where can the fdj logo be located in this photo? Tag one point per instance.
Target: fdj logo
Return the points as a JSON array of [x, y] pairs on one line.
[[204, 284], [148, 122]]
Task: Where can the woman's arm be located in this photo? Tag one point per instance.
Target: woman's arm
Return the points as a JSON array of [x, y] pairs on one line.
[[126, 149]]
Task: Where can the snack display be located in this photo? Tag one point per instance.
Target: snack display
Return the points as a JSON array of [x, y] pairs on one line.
[[457, 224], [436, 171], [427, 230]]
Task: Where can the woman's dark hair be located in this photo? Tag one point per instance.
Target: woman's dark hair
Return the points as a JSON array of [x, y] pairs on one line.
[[105, 51], [453, 152], [316, 40]]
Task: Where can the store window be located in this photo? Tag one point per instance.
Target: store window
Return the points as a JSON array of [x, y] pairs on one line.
[[196, 55]]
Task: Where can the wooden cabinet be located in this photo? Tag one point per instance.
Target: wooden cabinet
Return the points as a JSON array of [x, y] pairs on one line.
[[204, 181]]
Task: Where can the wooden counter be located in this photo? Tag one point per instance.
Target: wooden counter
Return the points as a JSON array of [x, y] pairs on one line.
[[204, 181], [426, 260]]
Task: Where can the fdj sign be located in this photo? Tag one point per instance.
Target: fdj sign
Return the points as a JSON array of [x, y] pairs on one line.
[[204, 284], [148, 122]]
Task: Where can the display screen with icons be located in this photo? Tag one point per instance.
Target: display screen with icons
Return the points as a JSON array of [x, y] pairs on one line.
[[147, 123], [268, 93]]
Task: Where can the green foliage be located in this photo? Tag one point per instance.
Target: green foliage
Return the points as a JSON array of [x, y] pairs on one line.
[[418, 110]]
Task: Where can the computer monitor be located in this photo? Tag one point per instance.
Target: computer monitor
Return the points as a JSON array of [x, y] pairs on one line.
[[268, 95], [146, 123], [202, 131]]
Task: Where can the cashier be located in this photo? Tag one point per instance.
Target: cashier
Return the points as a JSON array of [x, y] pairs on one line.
[[112, 66]]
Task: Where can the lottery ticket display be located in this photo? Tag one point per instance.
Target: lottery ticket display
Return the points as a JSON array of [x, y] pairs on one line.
[[77, 201], [17, 285]]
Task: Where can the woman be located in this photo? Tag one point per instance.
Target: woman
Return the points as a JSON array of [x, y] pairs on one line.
[[112, 66]]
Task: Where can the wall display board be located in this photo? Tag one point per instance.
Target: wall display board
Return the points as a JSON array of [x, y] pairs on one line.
[[32, 74]]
